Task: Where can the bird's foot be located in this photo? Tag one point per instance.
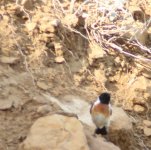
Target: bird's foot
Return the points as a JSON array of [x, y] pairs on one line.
[[102, 131]]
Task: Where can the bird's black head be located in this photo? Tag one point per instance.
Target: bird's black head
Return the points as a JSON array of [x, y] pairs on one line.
[[104, 98]]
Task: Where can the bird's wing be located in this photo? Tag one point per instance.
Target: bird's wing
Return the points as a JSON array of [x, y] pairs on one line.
[[110, 109], [93, 104], [91, 107]]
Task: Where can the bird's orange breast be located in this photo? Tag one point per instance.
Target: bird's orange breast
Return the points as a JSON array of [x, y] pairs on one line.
[[101, 109]]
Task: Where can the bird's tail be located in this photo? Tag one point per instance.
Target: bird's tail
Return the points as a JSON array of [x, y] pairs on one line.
[[102, 131]]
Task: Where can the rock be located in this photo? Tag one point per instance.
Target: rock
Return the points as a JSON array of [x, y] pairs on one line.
[[138, 108], [76, 66], [44, 109], [117, 60], [59, 59], [95, 52], [120, 129], [9, 60], [123, 63], [113, 16], [42, 85], [31, 26], [147, 123], [47, 27], [140, 101], [56, 22], [142, 7], [137, 13], [100, 75], [84, 15], [6, 18], [5, 104], [100, 143], [147, 74], [147, 95], [73, 20], [147, 131], [149, 33], [28, 4], [140, 127], [77, 79], [50, 45], [120, 120], [73, 104], [58, 46], [56, 132]]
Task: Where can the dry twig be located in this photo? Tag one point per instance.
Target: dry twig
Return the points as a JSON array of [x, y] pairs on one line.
[[22, 54]]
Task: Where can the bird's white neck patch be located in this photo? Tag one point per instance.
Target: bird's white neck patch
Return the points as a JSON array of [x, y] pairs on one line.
[[97, 102], [110, 107]]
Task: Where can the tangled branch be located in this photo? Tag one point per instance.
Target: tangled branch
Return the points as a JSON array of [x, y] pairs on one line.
[[106, 22]]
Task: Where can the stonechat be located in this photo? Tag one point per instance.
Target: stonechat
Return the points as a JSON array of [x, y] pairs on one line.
[[100, 112]]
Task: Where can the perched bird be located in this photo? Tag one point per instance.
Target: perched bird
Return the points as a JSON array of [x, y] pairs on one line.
[[100, 112]]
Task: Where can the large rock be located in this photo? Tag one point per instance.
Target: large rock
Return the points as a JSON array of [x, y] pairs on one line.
[[74, 104], [120, 120], [99, 143], [56, 132], [121, 131]]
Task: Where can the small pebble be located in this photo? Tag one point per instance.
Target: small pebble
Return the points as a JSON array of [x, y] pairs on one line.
[[147, 131], [44, 109], [139, 108], [147, 123]]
